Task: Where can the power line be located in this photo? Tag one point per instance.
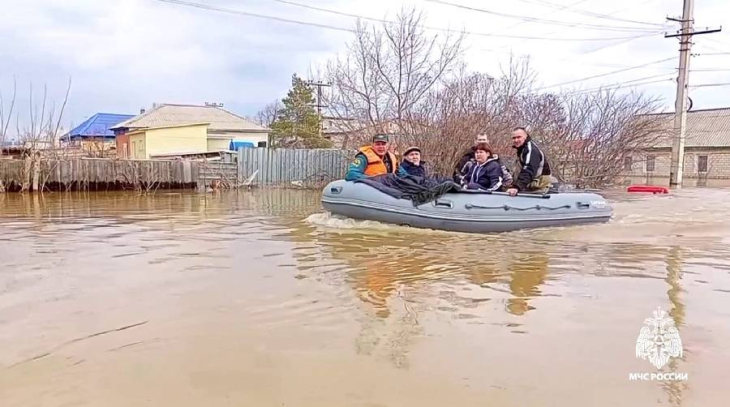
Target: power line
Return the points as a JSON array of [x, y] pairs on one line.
[[326, 26], [710, 70], [627, 84], [588, 13], [707, 85], [618, 87], [546, 15], [447, 30], [582, 63], [632, 81], [711, 53], [606, 74], [545, 21], [247, 14], [617, 43], [594, 50]]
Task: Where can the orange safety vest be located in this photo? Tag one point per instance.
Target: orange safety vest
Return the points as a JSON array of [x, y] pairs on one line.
[[376, 165]]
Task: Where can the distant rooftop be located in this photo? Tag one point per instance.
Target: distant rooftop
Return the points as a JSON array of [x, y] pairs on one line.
[[98, 125], [172, 114], [705, 128]]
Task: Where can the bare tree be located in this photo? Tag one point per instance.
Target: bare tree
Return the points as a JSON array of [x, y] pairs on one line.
[[267, 115], [5, 118], [40, 136], [590, 134], [468, 104], [44, 125], [388, 72]]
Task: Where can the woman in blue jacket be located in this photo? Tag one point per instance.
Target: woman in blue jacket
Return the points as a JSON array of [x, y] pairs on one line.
[[485, 172]]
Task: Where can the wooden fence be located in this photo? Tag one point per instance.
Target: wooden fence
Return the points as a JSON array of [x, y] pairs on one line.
[[250, 166], [97, 174]]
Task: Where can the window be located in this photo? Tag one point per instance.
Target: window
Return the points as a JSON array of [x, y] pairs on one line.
[[650, 163], [702, 163], [627, 163], [262, 144]]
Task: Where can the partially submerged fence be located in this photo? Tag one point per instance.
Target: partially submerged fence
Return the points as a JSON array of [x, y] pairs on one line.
[[251, 166], [287, 167], [96, 174]]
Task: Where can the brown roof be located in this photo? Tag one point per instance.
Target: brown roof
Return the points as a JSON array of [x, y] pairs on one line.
[[174, 115], [705, 128]]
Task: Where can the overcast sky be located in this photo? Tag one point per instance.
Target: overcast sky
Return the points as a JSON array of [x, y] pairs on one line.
[[124, 55]]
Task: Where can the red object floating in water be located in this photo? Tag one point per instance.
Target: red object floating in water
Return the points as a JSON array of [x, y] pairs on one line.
[[648, 188]]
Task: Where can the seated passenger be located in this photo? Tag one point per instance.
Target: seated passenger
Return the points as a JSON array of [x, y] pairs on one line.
[[507, 178], [467, 157], [485, 172], [412, 164], [373, 160], [534, 175]]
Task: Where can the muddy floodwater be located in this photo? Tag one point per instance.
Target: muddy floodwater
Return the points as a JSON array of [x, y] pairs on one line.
[[259, 298]]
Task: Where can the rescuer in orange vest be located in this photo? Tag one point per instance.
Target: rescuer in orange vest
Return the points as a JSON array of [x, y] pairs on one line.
[[373, 160]]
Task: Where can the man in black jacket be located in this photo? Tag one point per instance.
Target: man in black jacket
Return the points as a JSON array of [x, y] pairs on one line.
[[412, 163], [534, 173]]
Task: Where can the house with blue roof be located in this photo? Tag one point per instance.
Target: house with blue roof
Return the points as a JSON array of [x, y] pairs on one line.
[[96, 127]]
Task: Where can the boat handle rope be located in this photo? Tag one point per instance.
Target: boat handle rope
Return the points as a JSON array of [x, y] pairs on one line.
[[507, 207]]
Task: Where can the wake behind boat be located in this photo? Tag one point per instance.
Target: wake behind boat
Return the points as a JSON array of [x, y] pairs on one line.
[[466, 211]]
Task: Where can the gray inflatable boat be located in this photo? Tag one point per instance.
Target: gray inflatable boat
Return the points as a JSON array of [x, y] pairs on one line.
[[474, 212]]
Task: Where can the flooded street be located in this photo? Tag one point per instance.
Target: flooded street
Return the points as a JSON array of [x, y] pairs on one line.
[[258, 298]]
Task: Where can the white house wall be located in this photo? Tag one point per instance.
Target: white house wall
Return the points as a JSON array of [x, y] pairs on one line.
[[254, 138]]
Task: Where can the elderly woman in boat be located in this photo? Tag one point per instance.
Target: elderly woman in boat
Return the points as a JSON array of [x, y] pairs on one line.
[[484, 172]]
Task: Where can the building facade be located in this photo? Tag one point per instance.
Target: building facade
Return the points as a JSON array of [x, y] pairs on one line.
[[223, 129], [168, 141], [707, 152]]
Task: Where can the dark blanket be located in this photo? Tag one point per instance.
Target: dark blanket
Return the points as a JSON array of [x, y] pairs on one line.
[[417, 189]]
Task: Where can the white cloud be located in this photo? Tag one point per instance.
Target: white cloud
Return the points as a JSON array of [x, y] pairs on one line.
[[127, 54]]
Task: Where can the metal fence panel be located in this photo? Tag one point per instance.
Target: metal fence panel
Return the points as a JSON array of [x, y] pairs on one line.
[[284, 167]]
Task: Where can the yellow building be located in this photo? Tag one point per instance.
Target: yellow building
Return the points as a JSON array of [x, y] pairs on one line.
[[168, 140], [170, 129]]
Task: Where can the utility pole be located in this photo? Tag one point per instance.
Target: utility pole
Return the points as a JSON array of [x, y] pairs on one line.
[[680, 105], [319, 85]]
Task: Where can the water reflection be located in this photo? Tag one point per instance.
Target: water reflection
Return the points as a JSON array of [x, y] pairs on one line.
[[674, 276], [528, 272], [268, 270], [675, 389]]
